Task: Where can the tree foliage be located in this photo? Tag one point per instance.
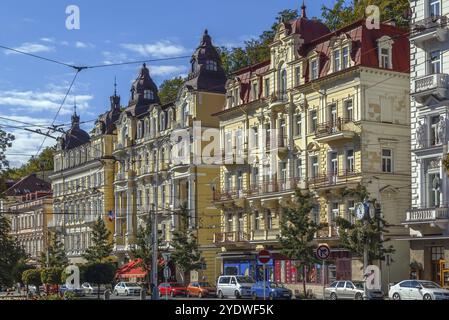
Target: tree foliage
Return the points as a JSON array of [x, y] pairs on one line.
[[354, 236], [343, 12], [32, 277], [99, 273], [102, 246], [6, 140], [11, 253], [185, 255], [57, 257], [143, 249], [43, 162], [298, 231], [51, 276], [168, 90]]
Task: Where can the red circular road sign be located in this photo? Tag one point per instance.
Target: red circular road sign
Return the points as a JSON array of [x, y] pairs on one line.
[[264, 256]]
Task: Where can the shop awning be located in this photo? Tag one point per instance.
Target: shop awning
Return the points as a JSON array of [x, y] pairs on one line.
[[131, 270]]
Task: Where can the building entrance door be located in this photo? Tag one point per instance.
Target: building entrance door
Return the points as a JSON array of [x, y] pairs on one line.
[[436, 254]]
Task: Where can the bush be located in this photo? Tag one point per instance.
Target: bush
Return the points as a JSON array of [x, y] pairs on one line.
[[51, 275], [70, 296], [99, 273], [32, 277]]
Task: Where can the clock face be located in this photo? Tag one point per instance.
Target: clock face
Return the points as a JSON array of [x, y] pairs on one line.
[[360, 211]]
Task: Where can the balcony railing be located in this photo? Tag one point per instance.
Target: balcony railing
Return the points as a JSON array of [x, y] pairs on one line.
[[332, 179], [265, 235], [120, 176], [435, 84], [427, 214], [231, 237], [273, 186], [428, 25], [229, 194], [333, 128]]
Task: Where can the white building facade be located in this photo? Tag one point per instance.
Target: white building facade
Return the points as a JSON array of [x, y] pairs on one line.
[[428, 217]]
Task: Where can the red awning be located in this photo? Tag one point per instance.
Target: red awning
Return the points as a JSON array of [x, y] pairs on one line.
[[131, 270]]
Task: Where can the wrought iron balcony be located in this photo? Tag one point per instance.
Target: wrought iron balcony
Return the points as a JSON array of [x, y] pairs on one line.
[[229, 194], [265, 235], [436, 85], [233, 237], [431, 29], [331, 179], [427, 214], [274, 186], [333, 130]]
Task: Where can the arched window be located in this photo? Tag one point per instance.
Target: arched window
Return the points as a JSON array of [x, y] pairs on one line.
[[211, 65], [148, 94], [162, 122]]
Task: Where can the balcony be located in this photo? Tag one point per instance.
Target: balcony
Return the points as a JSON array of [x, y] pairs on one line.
[[436, 85], [274, 186], [231, 238], [278, 100], [265, 235], [330, 180], [428, 31], [229, 194], [328, 232], [120, 176], [332, 131], [428, 220]]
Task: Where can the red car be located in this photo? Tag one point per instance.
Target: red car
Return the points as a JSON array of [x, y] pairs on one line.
[[172, 289]]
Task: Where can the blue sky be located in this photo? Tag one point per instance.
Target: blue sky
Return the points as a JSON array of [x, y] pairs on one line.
[[110, 31]]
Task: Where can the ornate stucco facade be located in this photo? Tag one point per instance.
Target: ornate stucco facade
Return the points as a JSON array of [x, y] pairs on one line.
[[329, 111]]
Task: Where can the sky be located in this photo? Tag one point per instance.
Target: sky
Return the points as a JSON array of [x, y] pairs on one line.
[[32, 90]]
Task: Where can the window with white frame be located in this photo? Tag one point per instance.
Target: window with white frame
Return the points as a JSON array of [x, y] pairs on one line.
[[349, 109], [239, 180], [269, 219], [434, 8], [282, 82], [283, 174], [255, 177], [257, 219], [314, 166], [435, 62], [349, 160], [298, 124], [387, 160], [335, 212], [336, 60], [434, 136], [298, 169], [267, 87], [316, 214], [255, 91], [385, 58], [313, 121], [227, 182], [148, 94], [211, 65], [345, 57], [351, 211], [314, 69]]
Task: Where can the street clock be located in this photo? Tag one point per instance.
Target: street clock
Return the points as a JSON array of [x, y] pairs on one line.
[[360, 211]]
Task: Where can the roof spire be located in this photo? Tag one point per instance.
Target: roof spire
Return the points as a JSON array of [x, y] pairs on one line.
[[115, 86], [303, 10], [74, 105]]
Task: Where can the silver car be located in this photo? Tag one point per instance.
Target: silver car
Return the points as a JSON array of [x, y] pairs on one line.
[[234, 286], [351, 290], [417, 290]]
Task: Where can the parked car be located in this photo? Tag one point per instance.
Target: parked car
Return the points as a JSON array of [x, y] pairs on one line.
[[352, 290], [172, 289], [127, 289], [92, 289], [417, 290], [201, 289], [63, 289], [234, 286], [272, 291]]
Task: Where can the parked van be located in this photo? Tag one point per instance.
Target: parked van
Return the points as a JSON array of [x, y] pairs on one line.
[[234, 286]]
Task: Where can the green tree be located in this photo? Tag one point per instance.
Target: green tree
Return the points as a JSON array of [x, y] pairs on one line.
[[11, 253], [43, 162], [99, 273], [354, 236], [143, 249], [298, 232], [168, 90], [51, 276], [57, 256], [343, 13], [102, 245], [185, 255], [32, 277]]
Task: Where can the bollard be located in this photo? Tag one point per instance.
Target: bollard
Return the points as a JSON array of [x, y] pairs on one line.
[[143, 294], [106, 295]]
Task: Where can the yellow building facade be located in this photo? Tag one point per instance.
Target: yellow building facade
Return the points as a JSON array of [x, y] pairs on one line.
[[155, 152], [328, 112]]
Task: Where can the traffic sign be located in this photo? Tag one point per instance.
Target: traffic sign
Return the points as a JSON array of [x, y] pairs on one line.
[[264, 256], [323, 252]]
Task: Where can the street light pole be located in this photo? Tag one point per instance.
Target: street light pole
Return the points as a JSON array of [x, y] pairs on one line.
[[155, 293]]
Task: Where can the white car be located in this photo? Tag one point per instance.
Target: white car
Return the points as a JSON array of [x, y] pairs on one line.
[[417, 290], [92, 289], [127, 288]]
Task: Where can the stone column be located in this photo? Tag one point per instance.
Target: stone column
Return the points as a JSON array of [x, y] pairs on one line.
[[129, 219], [116, 220]]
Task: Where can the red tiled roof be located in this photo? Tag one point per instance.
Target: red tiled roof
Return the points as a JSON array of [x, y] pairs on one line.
[[28, 184]]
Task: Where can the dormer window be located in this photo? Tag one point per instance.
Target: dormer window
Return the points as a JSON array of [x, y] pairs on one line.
[[345, 57], [385, 45], [336, 60], [340, 59], [255, 91], [148, 94], [314, 69], [434, 8], [211, 65]]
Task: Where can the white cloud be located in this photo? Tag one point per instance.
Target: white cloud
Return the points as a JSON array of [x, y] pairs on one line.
[[160, 49], [39, 101], [82, 45], [166, 70], [49, 40], [114, 57], [31, 48]]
